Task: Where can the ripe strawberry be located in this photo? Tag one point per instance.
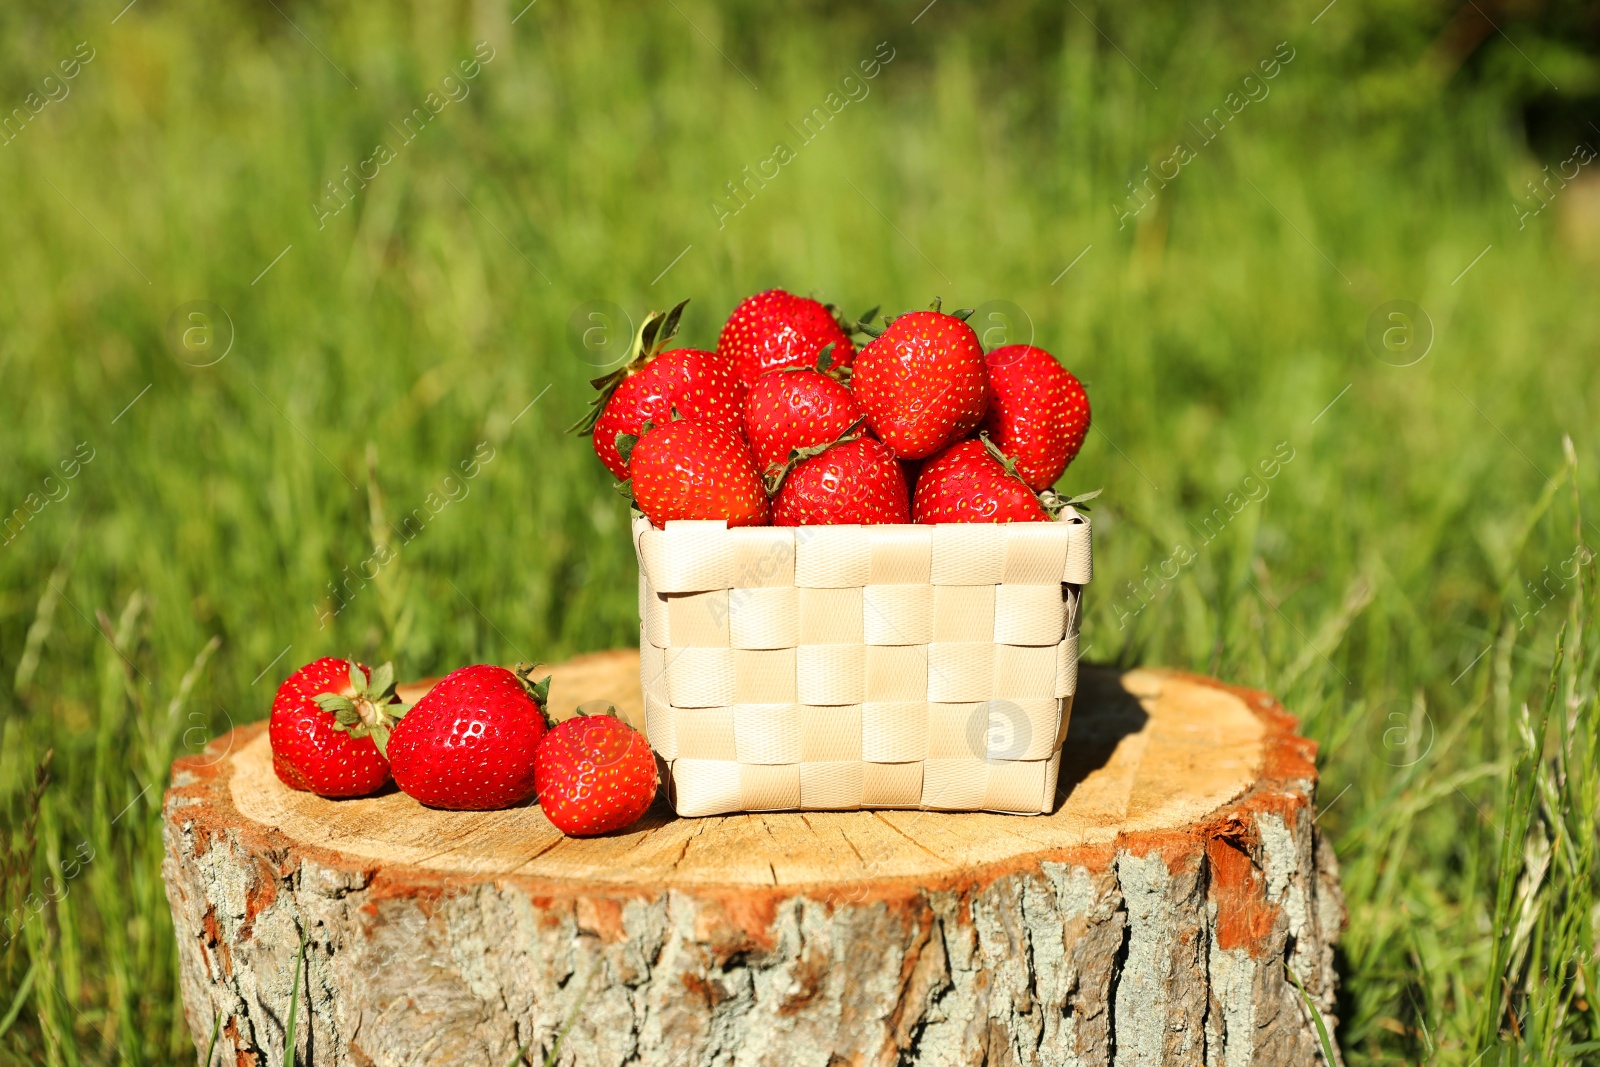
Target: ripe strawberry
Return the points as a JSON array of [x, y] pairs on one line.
[[684, 470], [329, 721], [855, 482], [922, 382], [966, 483], [469, 744], [794, 409], [1038, 412], [776, 329], [698, 385], [596, 774]]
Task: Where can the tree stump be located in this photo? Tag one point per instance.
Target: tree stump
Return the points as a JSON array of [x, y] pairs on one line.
[[1153, 918]]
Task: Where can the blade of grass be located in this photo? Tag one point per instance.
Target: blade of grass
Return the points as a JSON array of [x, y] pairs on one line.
[[572, 1017], [294, 1004], [1520, 788], [1316, 1018], [216, 1030], [20, 999]]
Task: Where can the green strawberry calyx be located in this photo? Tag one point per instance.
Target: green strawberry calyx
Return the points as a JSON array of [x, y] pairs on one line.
[[626, 442], [538, 691], [589, 711], [937, 304], [862, 326], [369, 709], [658, 328], [1055, 503], [960, 313]]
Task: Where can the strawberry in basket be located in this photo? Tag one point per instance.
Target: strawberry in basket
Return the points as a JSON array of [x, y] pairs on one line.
[[683, 470], [1038, 412], [789, 410], [972, 482], [775, 329], [922, 382], [855, 481], [698, 385]]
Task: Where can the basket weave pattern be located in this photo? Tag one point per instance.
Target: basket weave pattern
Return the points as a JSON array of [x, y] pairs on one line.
[[842, 667]]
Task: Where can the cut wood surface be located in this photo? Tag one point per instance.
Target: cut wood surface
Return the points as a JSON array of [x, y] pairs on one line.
[[1150, 919]]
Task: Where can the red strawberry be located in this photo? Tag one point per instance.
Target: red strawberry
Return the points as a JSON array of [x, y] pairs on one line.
[[596, 774], [966, 483], [922, 382], [794, 409], [698, 385], [777, 329], [469, 744], [687, 471], [1038, 412], [328, 721], [858, 481]]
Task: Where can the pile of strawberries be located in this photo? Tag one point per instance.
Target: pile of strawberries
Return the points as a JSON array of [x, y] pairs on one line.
[[787, 423], [479, 739]]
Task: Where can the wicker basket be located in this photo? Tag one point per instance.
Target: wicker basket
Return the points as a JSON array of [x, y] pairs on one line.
[[842, 667]]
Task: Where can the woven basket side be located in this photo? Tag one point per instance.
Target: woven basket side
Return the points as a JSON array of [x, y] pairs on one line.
[[832, 668]]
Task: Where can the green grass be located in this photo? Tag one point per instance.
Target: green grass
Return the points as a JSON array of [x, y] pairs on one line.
[[1401, 580]]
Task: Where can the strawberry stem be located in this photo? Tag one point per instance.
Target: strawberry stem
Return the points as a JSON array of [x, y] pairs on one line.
[[774, 478], [1005, 461], [538, 692]]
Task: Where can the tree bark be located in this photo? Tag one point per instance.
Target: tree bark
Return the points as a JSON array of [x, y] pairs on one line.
[[1151, 919]]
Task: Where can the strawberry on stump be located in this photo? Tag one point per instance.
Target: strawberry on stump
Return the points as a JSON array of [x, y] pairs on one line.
[[595, 774], [330, 720], [469, 744], [699, 385]]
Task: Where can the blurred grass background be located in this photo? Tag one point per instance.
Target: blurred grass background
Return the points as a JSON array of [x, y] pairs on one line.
[[1401, 581]]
